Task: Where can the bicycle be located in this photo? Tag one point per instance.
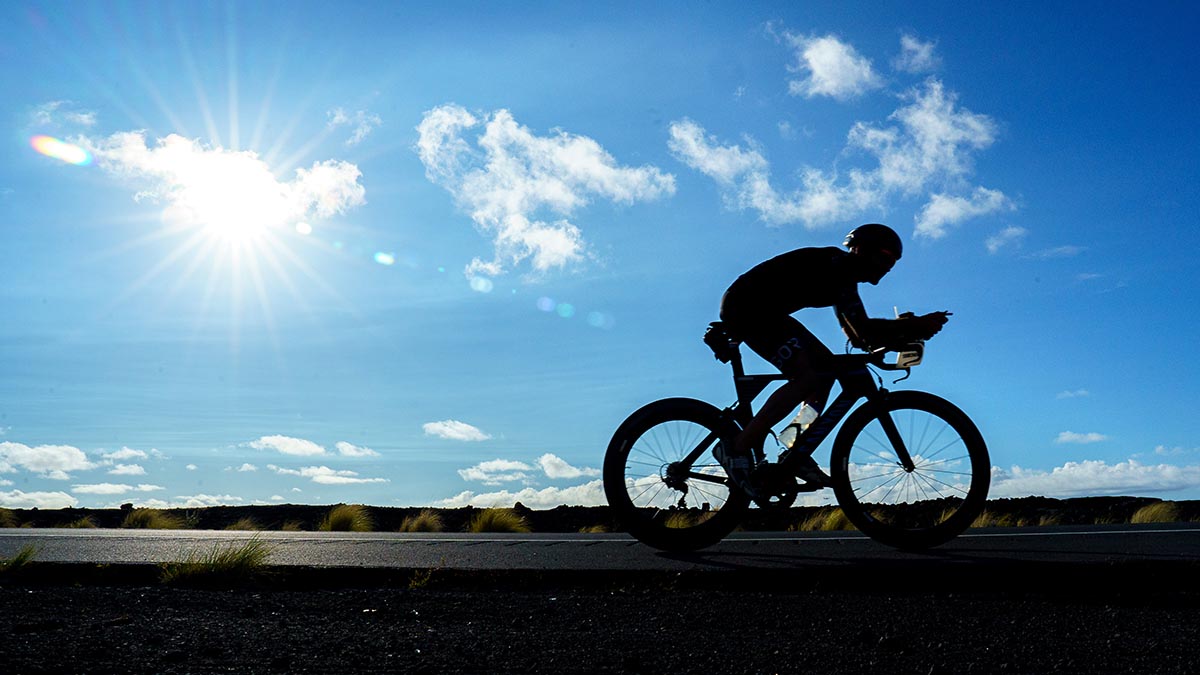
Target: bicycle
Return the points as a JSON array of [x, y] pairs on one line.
[[909, 469]]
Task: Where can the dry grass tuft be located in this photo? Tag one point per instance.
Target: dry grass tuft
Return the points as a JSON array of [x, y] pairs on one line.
[[84, 523], [427, 520], [826, 520], [228, 565], [1158, 512], [8, 518], [247, 523], [594, 529], [293, 526], [348, 518], [993, 519], [498, 520], [153, 519], [23, 559]]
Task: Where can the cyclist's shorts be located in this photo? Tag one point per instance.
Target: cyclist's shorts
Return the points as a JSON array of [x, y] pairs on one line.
[[783, 341]]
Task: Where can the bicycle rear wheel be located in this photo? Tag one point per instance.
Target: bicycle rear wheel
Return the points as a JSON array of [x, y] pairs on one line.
[[662, 481], [934, 501]]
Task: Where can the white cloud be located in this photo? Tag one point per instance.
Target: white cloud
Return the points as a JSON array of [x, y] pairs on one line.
[[203, 500], [454, 430], [126, 453], [497, 471], [191, 467], [349, 450], [588, 494], [362, 122], [1009, 236], [127, 470], [247, 467], [1094, 477], [556, 467], [231, 190], [833, 69], [288, 446], [1082, 439], [326, 476], [927, 151], [48, 461], [943, 211], [102, 489], [17, 499], [1066, 251], [521, 189], [58, 113], [916, 56], [1074, 393]]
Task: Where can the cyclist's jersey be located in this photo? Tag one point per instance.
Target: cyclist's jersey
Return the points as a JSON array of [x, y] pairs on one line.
[[799, 279]]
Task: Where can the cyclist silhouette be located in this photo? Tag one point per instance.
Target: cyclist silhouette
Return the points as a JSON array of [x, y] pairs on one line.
[[757, 309]]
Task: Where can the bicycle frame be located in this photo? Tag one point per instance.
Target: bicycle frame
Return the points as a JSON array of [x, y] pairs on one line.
[[856, 382]]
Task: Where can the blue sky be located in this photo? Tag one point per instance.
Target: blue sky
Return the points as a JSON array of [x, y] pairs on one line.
[[434, 254]]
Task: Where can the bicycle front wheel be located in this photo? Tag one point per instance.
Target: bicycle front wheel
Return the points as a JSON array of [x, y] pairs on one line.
[[924, 505], [662, 481]]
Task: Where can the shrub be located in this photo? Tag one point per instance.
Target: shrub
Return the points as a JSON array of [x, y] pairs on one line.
[[1158, 512], [8, 518], [228, 565], [498, 520], [152, 519], [347, 518], [244, 524], [427, 520]]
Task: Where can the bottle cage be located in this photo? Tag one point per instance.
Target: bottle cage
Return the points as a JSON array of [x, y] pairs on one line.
[[724, 348]]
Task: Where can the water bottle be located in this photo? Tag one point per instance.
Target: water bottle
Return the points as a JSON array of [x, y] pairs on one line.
[[799, 423]]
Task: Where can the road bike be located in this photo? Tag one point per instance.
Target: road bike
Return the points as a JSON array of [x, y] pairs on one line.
[[909, 469]]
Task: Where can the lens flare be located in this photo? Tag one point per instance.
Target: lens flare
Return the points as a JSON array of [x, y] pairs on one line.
[[67, 152]]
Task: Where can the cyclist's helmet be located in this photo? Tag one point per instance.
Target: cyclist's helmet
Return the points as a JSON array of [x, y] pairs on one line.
[[875, 237]]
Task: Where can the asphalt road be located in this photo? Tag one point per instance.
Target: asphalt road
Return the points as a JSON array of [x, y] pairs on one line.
[[1156, 546]]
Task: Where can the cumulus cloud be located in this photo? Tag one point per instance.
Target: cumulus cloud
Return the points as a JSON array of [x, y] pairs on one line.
[[832, 68], [521, 189], [18, 499], [1073, 393], [1065, 251], [326, 476], [926, 149], [361, 122], [944, 211], [587, 494], [230, 189], [1009, 236], [350, 450], [126, 454], [1094, 477], [247, 468], [1083, 439], [916, 56], [127, 470], [48, 461], [556, 467], [497, 471], [288, 446], [454, 430]]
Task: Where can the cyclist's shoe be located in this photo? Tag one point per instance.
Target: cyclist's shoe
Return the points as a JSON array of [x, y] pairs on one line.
[[737, 466], [810, 472]]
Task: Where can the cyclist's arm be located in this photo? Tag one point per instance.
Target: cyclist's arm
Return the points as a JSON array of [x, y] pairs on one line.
[[865, 332]]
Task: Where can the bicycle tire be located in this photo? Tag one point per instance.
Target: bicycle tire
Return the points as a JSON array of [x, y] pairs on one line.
[[919, 509], [636, 482]]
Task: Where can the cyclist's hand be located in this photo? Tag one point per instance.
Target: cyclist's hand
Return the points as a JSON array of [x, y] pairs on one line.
[[928, 325]]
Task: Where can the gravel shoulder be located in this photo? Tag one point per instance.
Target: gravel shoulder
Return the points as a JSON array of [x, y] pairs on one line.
[[624, 627]]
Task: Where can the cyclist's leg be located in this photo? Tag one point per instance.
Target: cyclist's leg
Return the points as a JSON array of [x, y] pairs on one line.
[[797, 353]]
